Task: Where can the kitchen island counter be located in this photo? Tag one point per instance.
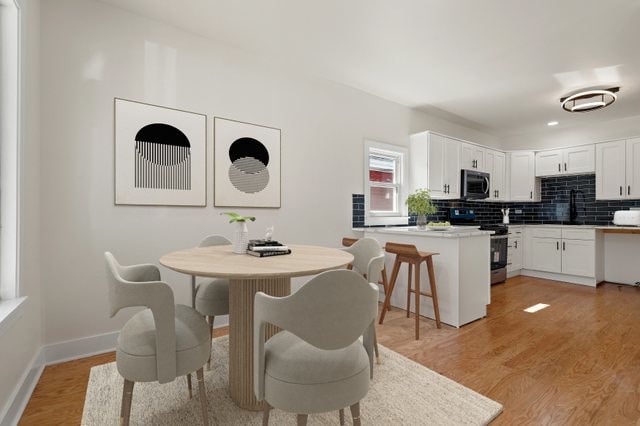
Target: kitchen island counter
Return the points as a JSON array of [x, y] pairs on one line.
[[462, 269]]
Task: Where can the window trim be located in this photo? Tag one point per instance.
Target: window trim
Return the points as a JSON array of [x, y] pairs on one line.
[[399, 217]]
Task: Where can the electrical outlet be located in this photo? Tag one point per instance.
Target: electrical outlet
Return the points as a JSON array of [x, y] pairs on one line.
[[518, 211]]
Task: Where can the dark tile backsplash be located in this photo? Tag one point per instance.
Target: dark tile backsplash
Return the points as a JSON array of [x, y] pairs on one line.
[[554, 207]]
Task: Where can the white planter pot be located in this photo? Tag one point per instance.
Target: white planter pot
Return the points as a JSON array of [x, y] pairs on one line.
[[240, 238]]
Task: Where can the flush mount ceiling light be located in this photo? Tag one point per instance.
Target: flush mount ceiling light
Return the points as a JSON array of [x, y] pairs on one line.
[[589, 100]]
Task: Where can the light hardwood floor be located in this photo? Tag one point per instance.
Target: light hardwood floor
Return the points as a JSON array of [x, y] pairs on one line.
[[575, 362]]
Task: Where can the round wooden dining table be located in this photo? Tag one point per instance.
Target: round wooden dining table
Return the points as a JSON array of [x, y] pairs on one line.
[[248, 275]]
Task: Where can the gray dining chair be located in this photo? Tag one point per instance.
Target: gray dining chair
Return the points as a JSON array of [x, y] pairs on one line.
[[368, 260], [211, 297], [318, 363], [160, 343]]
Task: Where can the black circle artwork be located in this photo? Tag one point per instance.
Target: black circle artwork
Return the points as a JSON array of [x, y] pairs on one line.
[[248, 171], [162, 158]]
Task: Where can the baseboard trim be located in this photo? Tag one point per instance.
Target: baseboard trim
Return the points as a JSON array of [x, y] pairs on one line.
[[572, 279], [22, 393], [69, 350]]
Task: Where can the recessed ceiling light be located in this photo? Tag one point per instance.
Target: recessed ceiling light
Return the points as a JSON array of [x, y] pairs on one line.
[[589, 100], [536, 308], [552, 123]]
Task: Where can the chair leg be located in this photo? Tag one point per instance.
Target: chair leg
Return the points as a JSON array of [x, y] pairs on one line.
[[202, 393], [417, 302], [434, 293], [211, 319], [355, 413], [409, 273], [189, 386], [341, 412], [265, 415], [375, 346], [392, 284], [302, 419], [125, 408], [385, 283], [193, 291]]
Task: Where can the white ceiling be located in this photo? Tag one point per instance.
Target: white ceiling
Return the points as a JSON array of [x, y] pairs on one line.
[[500, 64]]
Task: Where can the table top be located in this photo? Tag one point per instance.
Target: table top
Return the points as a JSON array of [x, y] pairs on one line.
[[221, 262]]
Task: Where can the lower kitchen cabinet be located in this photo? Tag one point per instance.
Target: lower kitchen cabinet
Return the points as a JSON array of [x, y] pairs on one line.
[[545, 255], [576, 255], [566, 254]]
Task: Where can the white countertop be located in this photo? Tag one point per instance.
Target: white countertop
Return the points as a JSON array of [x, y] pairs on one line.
[[454, 232]]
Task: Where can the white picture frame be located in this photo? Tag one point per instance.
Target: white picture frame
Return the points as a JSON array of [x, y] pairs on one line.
[[160, 155], [247, 168]]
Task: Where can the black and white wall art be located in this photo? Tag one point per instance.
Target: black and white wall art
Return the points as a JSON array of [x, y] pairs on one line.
[[160, 155], [246, 164]]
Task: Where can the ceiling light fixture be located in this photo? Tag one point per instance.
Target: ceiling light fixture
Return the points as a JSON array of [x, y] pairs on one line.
[[589, 100], [552, 123]]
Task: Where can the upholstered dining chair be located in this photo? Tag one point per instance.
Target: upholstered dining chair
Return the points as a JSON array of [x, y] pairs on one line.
[[318, 362], [368, 260], [211, 297], [160, 343]]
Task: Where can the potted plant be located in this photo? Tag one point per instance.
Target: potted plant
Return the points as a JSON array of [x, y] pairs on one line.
[[420, 203], [241, 233]]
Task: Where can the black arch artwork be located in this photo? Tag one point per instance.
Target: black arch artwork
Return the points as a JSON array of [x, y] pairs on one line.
[[248, 172], [162, 158]]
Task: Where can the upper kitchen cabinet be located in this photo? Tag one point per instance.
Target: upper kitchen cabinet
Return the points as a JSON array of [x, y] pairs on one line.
[[472, 157], [633, 168], [618, 170], [435, 164], [521, 176], [575, 160], [495, 164]]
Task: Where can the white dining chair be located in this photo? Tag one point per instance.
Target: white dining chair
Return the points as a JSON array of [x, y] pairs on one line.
[[160, 343], [211, 297], [318, 363]]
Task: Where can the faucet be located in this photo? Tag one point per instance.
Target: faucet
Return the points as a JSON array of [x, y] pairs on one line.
[[573, 209]]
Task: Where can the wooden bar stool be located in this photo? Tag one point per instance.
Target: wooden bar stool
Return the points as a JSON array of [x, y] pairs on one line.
[[348, 242], [409, 254]]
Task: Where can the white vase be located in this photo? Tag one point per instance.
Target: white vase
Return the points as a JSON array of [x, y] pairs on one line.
[[240, 238]]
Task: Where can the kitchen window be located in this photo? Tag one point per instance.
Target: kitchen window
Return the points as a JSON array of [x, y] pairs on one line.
[[385, 183]]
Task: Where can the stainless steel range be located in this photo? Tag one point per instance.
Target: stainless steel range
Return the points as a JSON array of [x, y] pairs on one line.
[[460, 216]]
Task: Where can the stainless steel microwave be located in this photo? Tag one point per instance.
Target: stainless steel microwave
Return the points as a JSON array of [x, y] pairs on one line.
[[474, 185]]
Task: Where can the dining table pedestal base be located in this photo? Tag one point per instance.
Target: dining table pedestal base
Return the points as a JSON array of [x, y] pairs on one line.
[[241, 296]]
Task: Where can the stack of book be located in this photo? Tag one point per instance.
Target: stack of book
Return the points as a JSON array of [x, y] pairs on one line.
[[265, 248]]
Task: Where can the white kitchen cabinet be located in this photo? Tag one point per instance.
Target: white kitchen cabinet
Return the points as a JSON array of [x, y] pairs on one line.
[[563, 253], [495, 165], [515, 250], [472, 157], [521, 178], [435, 165], [556, 162], [545, 254], [576, 255], [611, 170], [549, 163], [579, 160], [633, 168]]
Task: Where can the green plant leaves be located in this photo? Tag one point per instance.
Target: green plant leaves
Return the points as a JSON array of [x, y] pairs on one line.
[[235, 217]]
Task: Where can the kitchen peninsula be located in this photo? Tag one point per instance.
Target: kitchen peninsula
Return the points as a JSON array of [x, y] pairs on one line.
[[461, 267]]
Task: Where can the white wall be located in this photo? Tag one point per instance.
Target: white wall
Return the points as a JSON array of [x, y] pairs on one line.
[[91, 53], [22, 338], [557, 137]]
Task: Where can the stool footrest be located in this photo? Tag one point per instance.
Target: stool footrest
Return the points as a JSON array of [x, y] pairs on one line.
[[423, 293]]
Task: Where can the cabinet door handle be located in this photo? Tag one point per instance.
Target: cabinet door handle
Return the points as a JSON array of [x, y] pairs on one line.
[[559, 167], [620, 190], [565, 167], [557, 245], [564, 248], [629, 190], [516, 244], [531, 195]]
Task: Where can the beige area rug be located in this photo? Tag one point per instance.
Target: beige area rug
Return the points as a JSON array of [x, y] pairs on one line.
[[402, 393]]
